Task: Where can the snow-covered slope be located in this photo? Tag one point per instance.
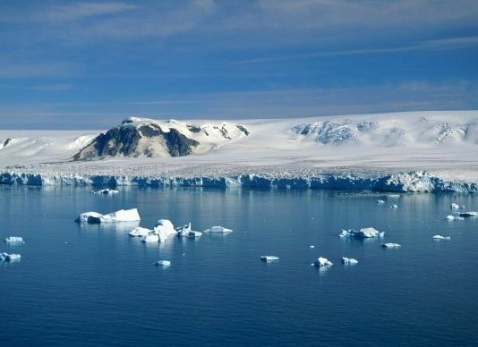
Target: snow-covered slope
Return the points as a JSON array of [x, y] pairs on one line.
[[417, 151]]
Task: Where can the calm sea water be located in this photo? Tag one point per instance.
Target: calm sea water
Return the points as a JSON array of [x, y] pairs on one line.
[[93, 285]]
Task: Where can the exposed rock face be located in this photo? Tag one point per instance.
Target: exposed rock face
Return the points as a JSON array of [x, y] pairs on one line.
[[136, 137], [131, 141]]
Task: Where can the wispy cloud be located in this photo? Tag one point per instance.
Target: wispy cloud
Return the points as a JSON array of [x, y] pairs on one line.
[[439, 44], [52, 87]]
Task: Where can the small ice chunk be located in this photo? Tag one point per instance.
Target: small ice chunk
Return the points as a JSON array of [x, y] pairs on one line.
[[151, 238], [393, 196], [269, 258], [394, 206], [321, 261], [14, 239], [390, 245], [163, 263], [89, 217], [140, 232], [454, 206], [194, 234], [450, 217], [380, 201], [440, 237], [349, 261], [106, 191], [218, 229], [469, 214], [311, 246], [184, 230]]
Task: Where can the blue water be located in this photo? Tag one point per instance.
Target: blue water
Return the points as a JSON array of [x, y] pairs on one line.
[[94, 286]]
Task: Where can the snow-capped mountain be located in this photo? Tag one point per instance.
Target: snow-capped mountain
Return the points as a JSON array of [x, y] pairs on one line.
[[137, 137], [352, 152]]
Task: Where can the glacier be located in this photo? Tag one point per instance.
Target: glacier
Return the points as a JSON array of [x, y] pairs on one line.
[[414, 181]]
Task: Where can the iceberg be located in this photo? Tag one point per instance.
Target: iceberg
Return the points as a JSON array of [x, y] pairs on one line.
[[218, 229], [364, 233], [14, 239], [164, 228], [440, 237], [349, 261], [269, 258], [140, 232], [163, 263], [390, 245], [321, 262], [194, 234], [10, 257], [130, 215]]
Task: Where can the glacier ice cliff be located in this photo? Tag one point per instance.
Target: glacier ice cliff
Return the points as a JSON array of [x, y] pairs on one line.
[[415, 181]]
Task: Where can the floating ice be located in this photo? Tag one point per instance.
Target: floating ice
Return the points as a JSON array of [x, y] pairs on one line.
[[139, 231], [194, 234], [390, 245], [454, 206], [380, 201], [164, 228], [10, 257], [14, 239], [131, 215], [269, 258], [362, 233], [469, 214], [321, 261], [450, 217], [163, 263], [349, 261], [151, 238], [218, 229], [394, 206], [311, 246], [440, 237], [184, 230], [106, 191]]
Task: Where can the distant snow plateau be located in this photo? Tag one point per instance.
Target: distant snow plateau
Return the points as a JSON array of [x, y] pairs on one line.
[[396, 152]]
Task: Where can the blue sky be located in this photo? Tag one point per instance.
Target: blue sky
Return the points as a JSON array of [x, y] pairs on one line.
[[89, 64]]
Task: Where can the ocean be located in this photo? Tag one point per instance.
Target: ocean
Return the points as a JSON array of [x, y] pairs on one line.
[[93, 285]]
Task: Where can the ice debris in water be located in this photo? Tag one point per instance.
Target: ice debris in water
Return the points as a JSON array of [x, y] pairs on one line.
[[10, 257], [269, 258], [469, 214], [380, 201], [218, 229], [454, 206], [130, 215], [440, 237], [390, 245], [321, 261], [394, 206], [349, 261], [362, 233], [139, 232], [106, 191], [163, 263], [14, 239]]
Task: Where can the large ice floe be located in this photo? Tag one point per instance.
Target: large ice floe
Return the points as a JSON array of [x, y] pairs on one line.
[[364, 233], [130, 215]]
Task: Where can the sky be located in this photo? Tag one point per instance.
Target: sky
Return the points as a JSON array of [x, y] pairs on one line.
[[90, 64]]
